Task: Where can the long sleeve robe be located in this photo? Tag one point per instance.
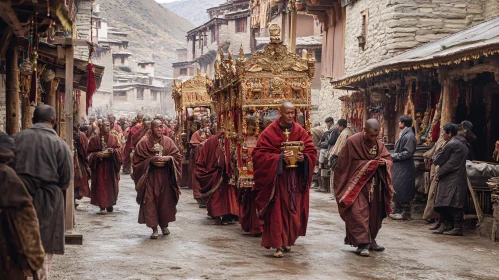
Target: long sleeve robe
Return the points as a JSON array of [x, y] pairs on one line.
[[81, 168], [157, 187], [362, 204], [404, 171], [44, 163], [283, 193], [105, 171], [192, 183], [20, 244], [211, 174]]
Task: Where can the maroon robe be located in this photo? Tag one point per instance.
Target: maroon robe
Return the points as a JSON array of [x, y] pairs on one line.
[[157, 187], [117, 127], [210, 172], [105, 171], [127, 161], [248, 217], [192, 183], [361, 205], [283, 193], [137, 136], [81, 168]]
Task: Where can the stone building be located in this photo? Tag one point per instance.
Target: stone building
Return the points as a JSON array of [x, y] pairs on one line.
[[126, 89], [359, 33], [228, 28]]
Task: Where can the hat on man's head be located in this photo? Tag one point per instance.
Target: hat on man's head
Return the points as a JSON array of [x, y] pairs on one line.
[[330, 119], [465, 127], [342, 122]]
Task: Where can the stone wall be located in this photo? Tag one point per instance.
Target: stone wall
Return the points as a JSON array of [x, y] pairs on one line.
[[238, 39], [83, 28], [327, 102], [398, 25], [491, 9]]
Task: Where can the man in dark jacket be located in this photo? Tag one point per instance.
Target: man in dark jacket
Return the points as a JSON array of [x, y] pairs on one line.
[[328, 140], [404, 171], [45, 165], [452, 185]]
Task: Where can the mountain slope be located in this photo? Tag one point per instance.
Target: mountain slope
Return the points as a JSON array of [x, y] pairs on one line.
[[154, 31], [193, 10]]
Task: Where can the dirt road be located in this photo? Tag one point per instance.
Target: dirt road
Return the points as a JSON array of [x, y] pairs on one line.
[[115, 246]]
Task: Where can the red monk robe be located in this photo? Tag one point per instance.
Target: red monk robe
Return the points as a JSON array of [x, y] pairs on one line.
[[248, 217], [127, 162], [192, 183], [283, 193], [210, 172], [81, 168], [136, 137], [117, 128], [362, 206], [157, 187], [105, 171]]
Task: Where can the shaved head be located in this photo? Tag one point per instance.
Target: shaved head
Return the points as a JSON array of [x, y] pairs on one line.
[[371, 129], [44, 113], [156, 123], [287, 104], [372, 124]]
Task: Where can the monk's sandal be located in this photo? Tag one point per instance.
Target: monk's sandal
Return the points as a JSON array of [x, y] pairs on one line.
[[278, 253], [165, 231], [286, 249]]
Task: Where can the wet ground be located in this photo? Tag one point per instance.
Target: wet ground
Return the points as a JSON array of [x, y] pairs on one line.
[[115, 246]]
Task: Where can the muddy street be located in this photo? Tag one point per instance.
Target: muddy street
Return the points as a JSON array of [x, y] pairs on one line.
[[115, 246]]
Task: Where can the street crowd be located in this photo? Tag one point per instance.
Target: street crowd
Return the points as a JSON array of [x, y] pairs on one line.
[[368, 182]]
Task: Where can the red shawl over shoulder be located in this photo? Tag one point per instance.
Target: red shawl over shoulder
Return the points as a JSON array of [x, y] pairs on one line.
[[355, 167], [144, 152], [210, 166]]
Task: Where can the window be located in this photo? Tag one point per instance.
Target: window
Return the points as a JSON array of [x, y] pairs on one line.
[[140, 94], [183, 71], [213, 34], [154, 96], [318, 55], [365, 23], [241, 25]]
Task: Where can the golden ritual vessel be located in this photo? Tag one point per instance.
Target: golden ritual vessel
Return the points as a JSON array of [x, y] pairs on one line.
[[293, 146], [105, 152], [159, 152]]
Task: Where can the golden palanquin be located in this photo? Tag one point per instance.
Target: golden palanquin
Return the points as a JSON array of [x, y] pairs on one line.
[[192, 102], [248, 95]]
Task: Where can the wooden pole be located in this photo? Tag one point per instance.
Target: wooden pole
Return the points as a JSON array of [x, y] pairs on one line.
[[68, 117], [12, 90], [292, 30], [447, 104]]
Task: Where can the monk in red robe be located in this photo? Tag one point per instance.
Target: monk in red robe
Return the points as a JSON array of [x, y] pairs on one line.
[[283, 193], [363, 187], [114, 125], [105, 162], [81, 168], [93, 128], [248, 217], [197, 140], [213, 176], [157, 186], [141, 132], [127, 161]]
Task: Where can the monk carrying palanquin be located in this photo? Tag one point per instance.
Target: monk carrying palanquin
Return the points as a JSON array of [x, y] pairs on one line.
[[198, 138], [283, 193], [363, 187], [157, 167], [213, 176], [105, 162]]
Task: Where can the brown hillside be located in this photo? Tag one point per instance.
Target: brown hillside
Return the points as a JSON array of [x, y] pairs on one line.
[[154, 31]]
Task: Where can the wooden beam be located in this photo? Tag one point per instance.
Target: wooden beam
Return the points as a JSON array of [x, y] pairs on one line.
[[67, 41], [10, 17], [12, 91], [68, 117], [5, 41]]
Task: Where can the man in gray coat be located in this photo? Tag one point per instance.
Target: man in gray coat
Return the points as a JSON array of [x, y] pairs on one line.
[[403, 173], [452, 187], [44, 163]]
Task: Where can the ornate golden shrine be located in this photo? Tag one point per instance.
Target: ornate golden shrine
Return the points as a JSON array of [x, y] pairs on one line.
[[249, 92], [192, 101]]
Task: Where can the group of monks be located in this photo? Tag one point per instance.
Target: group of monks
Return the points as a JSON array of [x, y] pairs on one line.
[[276, 208]]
